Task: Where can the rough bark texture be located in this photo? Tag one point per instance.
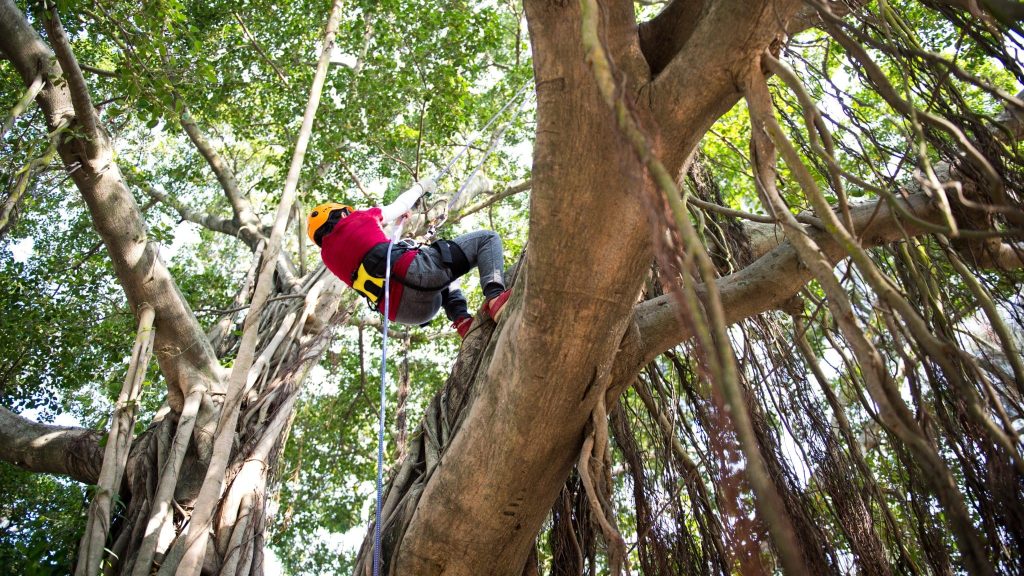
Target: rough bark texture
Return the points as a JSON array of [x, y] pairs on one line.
[[513, 449], [534, 425]]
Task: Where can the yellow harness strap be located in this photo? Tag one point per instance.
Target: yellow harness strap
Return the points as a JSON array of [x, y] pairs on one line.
[[368, 285]]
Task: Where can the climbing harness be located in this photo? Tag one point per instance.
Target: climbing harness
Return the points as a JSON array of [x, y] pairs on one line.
[[370, 286], [368, 278]]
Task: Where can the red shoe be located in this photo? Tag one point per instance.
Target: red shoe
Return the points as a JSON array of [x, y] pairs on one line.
[[462, 326], [494, 305]]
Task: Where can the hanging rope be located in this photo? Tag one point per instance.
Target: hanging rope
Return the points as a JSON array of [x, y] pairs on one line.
[[432, 229], [395, 235], [444, 171]]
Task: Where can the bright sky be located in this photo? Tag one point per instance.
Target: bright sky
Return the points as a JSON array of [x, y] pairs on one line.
[[22, 249]]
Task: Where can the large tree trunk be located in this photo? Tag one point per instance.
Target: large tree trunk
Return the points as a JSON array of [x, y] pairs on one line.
[[516, 426]]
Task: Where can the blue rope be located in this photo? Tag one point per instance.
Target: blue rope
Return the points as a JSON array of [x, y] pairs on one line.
[[383, 400], [387, 308]]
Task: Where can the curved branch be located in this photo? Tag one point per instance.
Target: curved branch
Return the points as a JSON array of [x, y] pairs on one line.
[[185, 355], [64, 450], [285, 267], [663, 36], [239, 202], [495, 198], [699, 84]]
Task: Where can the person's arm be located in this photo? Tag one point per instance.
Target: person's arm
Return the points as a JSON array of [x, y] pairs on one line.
[[406, 200]]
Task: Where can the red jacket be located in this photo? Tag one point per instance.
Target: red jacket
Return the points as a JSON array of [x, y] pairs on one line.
[[344, 248]]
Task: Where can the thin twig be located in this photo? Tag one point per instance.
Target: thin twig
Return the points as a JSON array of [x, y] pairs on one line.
[[259, 49]]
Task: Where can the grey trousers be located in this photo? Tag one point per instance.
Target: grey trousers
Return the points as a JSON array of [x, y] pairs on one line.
[[427, 279]]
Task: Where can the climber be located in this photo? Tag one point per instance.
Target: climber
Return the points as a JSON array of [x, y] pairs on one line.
[[353, 246]]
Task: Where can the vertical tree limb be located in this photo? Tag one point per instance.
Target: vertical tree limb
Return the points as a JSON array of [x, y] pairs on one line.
[[401, 419], [198, 533], [161, 514], [24, 176], [122, 424]]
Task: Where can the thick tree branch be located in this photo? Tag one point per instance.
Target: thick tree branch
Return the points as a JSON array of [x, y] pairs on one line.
[[776, 276], [700, 83], [185, 355], [64, 450], [663, 36], [84, 111], [561, 302]]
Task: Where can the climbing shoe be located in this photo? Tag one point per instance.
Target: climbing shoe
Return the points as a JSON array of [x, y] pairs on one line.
[[462, 326], [494, 305]]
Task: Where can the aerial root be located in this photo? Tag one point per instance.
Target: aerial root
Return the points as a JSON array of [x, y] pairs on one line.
[[592, 472]]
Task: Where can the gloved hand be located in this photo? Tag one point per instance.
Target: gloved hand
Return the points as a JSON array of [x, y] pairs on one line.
[[427, 185]]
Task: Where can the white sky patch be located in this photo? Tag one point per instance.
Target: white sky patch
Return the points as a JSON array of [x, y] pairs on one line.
[[352, 539], [343, 58], [185, 235], [271, 564], [62, 419], [22, 250]]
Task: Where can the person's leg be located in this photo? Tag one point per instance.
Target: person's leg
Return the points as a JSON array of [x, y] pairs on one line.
[[454, 304], [457, 310], [483, 249], [427, 272]]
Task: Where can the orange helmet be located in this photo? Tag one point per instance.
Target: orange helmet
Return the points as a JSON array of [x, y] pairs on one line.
[[321, 214]]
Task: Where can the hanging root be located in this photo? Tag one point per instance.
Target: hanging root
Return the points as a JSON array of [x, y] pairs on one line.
[[593, 473]]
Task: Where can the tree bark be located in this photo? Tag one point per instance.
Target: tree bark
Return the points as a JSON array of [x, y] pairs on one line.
[[64, 450], [515, 443], [471, 496], [115, 456]]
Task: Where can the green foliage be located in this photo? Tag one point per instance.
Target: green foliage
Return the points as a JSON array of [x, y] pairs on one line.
[[327, 482], [411, 83], [41, 519], [63, 325]]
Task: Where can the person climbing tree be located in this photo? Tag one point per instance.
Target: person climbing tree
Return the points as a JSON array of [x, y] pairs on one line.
[[353, 246]]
